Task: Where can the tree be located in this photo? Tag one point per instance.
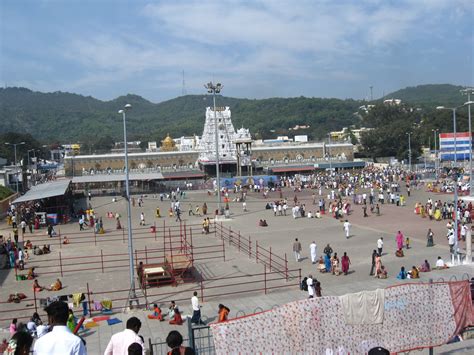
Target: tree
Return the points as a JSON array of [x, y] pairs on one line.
[[389, 136], [8, 152]]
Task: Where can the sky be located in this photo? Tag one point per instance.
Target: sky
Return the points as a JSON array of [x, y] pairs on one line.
[[256, 49]]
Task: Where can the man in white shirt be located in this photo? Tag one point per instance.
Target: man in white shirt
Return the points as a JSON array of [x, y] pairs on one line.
[[119, 343], [60, 340], [310, 283], [347, 228], [196, 318], [380, 246], [451, 240], [440, 263], [313, 252]]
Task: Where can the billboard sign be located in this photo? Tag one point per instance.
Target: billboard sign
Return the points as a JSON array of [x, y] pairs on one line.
[[447, 150]]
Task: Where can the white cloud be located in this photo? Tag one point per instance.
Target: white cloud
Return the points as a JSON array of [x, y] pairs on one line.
[[259, 41]]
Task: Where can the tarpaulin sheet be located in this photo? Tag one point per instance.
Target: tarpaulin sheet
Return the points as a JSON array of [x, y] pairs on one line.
[[415, 316]]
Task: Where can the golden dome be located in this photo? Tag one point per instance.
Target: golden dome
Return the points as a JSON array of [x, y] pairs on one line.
[[168, 143]]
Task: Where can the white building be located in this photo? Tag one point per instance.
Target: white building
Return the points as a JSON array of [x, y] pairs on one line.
[[225, 135]]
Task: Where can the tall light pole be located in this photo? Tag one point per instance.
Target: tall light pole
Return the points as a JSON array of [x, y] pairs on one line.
[[132, 295], [435, 133], [16, 166], [329, 153], [216, 89], [409, 150], [468, 92]]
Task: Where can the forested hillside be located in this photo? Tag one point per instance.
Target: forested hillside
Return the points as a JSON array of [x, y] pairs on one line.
[[61, 117], [69, 117]]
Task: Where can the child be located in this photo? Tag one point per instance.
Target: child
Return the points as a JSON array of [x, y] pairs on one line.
[[407, 242]]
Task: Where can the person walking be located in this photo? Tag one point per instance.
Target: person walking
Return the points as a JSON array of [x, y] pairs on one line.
[[313, 251], [380, 245], [347, 228], [429, 238], [364, 209], [374, 255], [400, 239], [297, 249], [345, 262], [196, 318]]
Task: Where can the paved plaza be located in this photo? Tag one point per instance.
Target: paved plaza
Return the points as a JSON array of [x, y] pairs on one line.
[[279, 235]]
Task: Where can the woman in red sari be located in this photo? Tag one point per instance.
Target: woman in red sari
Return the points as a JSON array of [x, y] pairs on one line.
[[345, 262]]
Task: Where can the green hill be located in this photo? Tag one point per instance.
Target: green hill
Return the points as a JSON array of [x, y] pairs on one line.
[[430, 95], [66, 117]]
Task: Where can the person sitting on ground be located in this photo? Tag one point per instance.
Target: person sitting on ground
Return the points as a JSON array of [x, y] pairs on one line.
[[37, 250], [46, 249], [56, 286], [31, 274], [28, 244], [171, 309], [321, 265], [156, 313], [176, 317], [175, 342], [382, 273], [37, 287], [413, 273], [223, 313], [440, 265], [399, 253], [66, 240], [402, 275], [425, 267], [318, 214], [263, 223]]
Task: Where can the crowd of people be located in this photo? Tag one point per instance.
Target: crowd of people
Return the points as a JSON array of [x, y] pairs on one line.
[[60, 333]]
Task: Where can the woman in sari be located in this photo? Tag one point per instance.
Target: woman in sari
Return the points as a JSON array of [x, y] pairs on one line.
[[399, 239], [11, 255], [429, 237], [378, 265], [425, 267], [327, 262], [345, 262], [335, 265]]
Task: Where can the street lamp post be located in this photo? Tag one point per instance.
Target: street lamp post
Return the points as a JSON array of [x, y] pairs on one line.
[[409, 150], [329, 153], [16, 166], [216, 89], [468, 92], [435, 133], [132, 295]]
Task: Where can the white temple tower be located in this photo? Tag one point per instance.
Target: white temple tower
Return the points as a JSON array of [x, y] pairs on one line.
[[226, 137]]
